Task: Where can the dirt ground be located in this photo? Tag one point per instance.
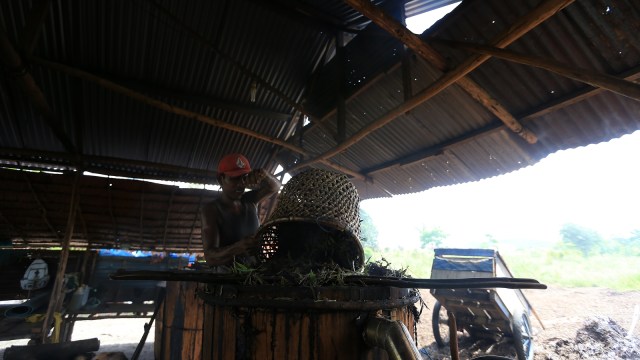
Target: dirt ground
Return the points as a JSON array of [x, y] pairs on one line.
[[579, 323]]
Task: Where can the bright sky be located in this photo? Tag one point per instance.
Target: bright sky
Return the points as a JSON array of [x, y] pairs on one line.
[[597, 186]]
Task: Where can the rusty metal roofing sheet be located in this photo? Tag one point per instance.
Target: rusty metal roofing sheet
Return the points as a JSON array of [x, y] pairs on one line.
[[200, 60]]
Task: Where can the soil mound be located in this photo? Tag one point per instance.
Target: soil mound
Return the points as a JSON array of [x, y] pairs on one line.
[[599, 338]]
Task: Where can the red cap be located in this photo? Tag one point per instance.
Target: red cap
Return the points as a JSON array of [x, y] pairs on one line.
[[234, 165]]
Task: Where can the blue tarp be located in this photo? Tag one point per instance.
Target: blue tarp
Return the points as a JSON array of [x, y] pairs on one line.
[[139, 254]]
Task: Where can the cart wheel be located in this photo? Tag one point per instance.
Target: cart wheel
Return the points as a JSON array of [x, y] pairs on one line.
[[440, 324], [522, 336]]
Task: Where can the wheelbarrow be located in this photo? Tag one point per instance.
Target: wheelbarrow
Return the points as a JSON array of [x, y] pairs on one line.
[[484, 313]]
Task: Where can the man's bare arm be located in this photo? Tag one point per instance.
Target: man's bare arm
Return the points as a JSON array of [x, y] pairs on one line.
[[264, 184]]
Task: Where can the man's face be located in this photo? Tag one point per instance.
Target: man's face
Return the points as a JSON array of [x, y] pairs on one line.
[[233, 187]]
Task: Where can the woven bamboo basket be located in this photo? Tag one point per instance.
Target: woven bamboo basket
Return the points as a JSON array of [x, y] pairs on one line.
[[317, 220]]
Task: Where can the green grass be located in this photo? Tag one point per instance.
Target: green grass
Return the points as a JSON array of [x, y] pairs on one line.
[[613, 271]]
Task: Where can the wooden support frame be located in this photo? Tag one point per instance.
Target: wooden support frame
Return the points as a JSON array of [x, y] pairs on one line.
[[57, 294], [110, 85], [198, 37], [521, 27], [604, 81], [183, 112]]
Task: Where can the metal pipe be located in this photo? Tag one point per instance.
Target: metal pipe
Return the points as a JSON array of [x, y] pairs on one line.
[[393, 337]]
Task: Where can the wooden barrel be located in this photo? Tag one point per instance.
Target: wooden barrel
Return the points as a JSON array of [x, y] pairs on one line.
[[179, 323], [273, 322]]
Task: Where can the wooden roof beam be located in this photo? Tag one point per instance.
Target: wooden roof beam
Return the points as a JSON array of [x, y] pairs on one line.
[[107, 84], [521, 27], [631, 75], [593, 78], [17, 70], [206, 42], [158, 90], [526, 23], [184, 112]]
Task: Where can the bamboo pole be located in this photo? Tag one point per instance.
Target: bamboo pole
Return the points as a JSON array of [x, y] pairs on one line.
[[614, 84], [184, 112], [161, 104], [57, 294]]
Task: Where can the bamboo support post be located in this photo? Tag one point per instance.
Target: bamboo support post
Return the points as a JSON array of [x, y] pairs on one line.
[[57, 294]]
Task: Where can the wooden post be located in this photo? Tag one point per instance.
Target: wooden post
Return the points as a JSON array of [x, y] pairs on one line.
[[57, 294], [453, 336]]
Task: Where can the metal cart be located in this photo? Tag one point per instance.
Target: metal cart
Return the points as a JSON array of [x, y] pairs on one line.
[[482, 313]]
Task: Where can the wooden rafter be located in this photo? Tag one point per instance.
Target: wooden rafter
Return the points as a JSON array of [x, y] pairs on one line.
[[526, 23], [593, 78], [414, 43], [571, 99], [224, 104], [631, 75], [321, 122], [25, 82], [206, 42], [161, 104], [183, 112]]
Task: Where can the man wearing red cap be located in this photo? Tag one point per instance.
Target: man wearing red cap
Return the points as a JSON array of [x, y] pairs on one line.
[[230, 222]]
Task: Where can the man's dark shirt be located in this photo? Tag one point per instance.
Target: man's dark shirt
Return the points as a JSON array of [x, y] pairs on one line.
[[235, 227]]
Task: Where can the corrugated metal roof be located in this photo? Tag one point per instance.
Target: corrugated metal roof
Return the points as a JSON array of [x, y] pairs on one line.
[[186, 70]]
